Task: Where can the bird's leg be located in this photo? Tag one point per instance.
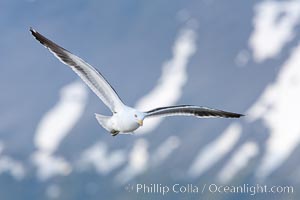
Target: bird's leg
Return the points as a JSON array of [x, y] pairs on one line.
[[114, 132]]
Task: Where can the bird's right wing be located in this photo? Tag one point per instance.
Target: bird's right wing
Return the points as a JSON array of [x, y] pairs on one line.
[[86, 72], [188, 110]]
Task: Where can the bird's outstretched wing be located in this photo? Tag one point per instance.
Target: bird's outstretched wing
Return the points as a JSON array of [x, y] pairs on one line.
[[86, 72], [189, 110]]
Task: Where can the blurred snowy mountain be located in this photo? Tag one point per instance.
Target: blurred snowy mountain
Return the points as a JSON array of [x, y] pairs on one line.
[[239, 56]]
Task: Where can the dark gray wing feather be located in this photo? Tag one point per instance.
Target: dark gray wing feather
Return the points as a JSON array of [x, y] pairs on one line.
[[86, 72], [189, 110]]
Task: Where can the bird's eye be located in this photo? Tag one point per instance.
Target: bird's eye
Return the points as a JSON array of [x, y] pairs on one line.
[[135, 115]]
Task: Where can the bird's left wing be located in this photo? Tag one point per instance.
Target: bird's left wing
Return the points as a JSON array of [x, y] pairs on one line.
[[189, 110], [86, 72]]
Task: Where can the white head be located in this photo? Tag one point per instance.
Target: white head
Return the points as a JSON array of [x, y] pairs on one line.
[[128, 119], [138, 117]]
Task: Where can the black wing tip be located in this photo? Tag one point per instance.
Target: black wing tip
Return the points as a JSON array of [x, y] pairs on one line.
[[42, 39], [33, 31], [234, 115], [35, 34]]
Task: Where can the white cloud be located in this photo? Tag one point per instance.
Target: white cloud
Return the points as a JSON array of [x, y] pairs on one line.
[[58, 121], [138, 160], [238, 161], [53, 191], [214, 151], [242, 58], [49, 166], [11, 166], [279, 109], [164, 150], [15, 168], [274, 25], [54, 126], [98, 157], [174, 76]]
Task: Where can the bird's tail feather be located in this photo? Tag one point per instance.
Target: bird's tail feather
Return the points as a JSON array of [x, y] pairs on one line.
[[102, 120]]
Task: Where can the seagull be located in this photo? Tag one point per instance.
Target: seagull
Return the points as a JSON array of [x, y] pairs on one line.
[[124, 119]]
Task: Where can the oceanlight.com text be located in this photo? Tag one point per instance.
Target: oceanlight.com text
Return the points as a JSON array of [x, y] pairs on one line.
[[164, 189]]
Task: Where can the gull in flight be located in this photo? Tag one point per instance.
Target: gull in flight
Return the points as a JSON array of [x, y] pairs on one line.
[[125, 119]]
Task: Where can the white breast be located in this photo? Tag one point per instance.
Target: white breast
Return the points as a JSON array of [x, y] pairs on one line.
[[124, 122]]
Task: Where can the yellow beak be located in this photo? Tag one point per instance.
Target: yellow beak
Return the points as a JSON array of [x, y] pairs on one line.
[[140, 122]]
